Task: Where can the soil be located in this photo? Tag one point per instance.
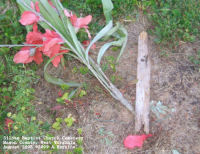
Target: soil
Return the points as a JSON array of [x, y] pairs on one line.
[[105, 123]]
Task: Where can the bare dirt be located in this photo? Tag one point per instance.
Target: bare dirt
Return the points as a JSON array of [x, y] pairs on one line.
[[105, 123]]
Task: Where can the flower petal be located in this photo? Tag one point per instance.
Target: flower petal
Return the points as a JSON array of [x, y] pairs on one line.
[[23, 56], [32, 5], [34, 37], [51, 34], [68, 14], [81, 22], [56, 60], [133, 141], [49, 46], [38, 57], [28, 18], [73, 20], [37, 6], [89, 35]]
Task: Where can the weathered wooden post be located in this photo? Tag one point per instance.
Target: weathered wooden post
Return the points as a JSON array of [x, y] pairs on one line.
[[143, 84]]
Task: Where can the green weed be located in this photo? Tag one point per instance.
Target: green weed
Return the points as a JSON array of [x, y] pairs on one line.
[[175, 20]]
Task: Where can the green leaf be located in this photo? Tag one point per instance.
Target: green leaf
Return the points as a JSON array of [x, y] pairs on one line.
[[72, 93], [78, 150], [82, 93], [69, 121], [59, 120], [51, 15], [112, 31], [79, 130], [106, 46], [125, 39], [101, 34], [107, 9], [56, 125], [120, 32], [57, 81], [65, 96], [80, 141], [46, 126]]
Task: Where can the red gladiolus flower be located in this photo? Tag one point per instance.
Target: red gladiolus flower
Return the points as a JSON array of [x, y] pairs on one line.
[[135, 141], [34, 37], [8, 124], [52, 46], [79, 22], [23, 56], [28, 18], [28, 54]]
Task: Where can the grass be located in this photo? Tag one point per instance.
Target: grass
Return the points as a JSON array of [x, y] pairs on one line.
[[174, 21], [16, 94], [94, 7]]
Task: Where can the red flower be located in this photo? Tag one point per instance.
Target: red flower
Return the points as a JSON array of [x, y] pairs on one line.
[[28, 54], [28, 17], [34, 37], [23, 56], [8, 123], [52, 46], [79, 22], [135, 141]]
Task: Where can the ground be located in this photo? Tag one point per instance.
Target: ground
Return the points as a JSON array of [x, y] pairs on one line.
[[105, 123]]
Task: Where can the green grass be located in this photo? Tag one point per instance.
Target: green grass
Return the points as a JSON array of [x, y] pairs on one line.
[[94, 8], [175, 20], [172, 20], [16, 94]]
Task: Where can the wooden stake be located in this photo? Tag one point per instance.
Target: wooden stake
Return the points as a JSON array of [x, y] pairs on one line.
[[143, 84]]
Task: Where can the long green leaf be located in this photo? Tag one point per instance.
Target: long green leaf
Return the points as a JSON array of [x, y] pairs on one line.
[[107, 9], [111, 32], [101, 34], [57, 81], [125, 39], [51, 15], [106, 46]]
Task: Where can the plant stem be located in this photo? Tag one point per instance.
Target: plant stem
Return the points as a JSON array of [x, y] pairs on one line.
[[20, 45], [109, 86]]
